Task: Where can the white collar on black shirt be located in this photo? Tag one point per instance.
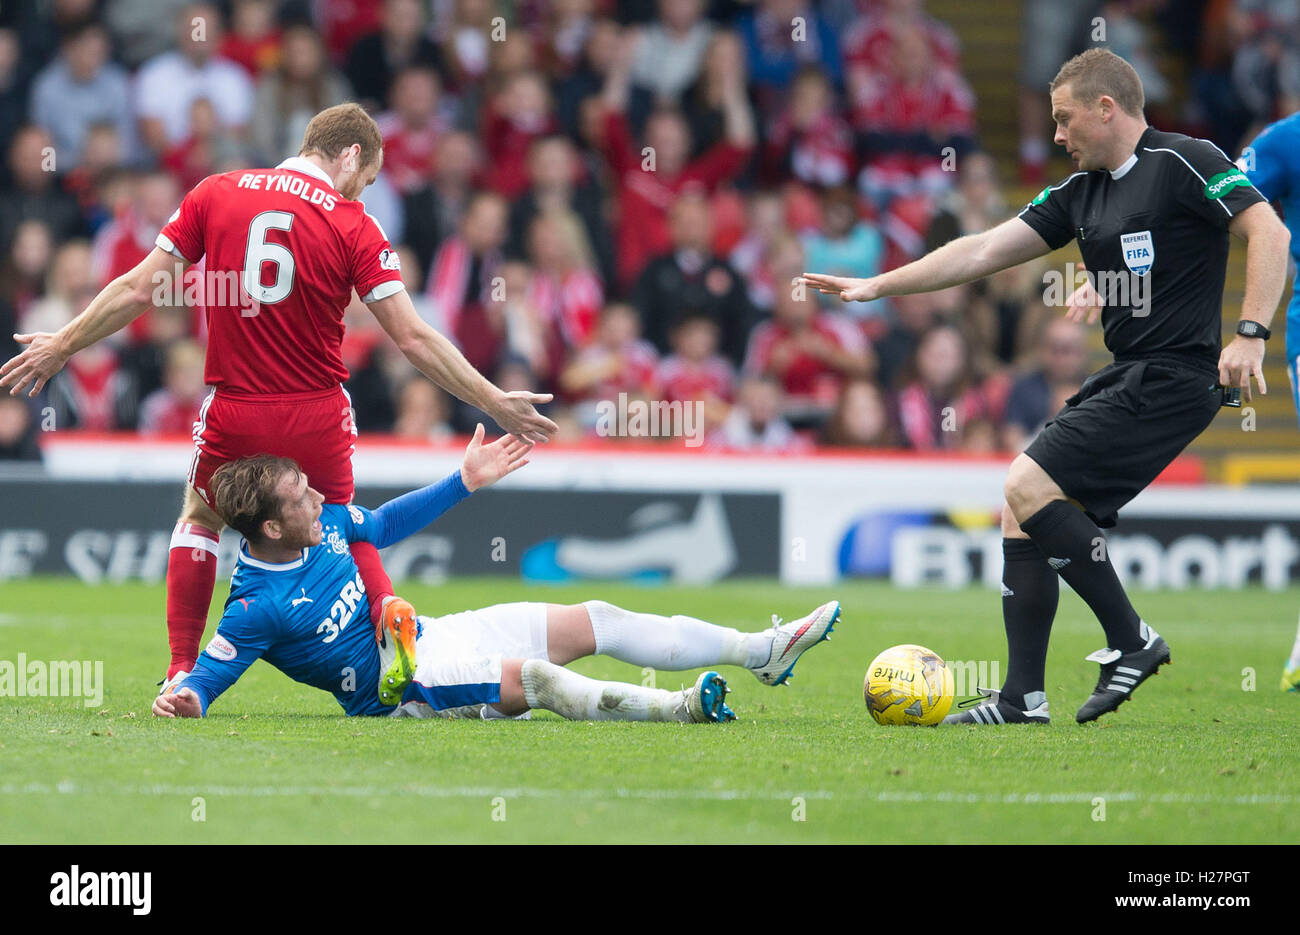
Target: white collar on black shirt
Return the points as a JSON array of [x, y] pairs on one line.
[[299, 164], [1123, 170]]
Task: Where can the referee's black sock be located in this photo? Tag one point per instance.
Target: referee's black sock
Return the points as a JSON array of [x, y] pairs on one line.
[[1030, 589], [1076, 548]]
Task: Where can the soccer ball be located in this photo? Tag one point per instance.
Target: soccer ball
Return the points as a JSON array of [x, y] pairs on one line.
[[908, 684]]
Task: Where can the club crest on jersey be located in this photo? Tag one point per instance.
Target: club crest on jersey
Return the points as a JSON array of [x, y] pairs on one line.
[[337, 542], [1139, 251], [388, 259]]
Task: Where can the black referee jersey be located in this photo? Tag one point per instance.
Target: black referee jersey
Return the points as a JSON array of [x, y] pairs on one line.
[[1154, 235]]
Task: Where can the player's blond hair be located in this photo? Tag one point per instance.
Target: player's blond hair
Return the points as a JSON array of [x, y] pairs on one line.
[[243, 492], [334, 129], [1096, 72]]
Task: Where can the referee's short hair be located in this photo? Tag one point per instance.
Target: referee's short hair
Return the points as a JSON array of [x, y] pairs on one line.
[[1096, 72]]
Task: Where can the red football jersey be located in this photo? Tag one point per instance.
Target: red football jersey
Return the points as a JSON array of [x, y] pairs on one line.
[[284, 251]]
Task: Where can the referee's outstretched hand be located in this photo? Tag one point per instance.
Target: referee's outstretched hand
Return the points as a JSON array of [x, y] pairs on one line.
[[846, 287], [1242, 359]]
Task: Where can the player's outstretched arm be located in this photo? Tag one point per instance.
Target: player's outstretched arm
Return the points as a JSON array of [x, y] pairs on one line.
[[1267, 242], [962, 260], [117, 305], [484, 465], [406, 515], [444, 364]]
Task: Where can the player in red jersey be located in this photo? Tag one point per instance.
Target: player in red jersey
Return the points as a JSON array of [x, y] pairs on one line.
[[283, 250]]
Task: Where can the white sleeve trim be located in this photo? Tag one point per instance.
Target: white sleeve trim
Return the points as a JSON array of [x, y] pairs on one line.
[[383, 291], [1052, 188], [1193, 168], [166, 243], [189, 540]]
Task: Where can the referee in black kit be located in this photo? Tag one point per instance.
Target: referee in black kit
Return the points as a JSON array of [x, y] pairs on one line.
[[1151, 212]]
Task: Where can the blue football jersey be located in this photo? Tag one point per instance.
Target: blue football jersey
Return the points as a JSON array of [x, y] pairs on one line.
[[1272, 163], [309, 618]]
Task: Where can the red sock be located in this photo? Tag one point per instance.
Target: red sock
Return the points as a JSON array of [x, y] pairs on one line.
[[191, 575], [373, 576]]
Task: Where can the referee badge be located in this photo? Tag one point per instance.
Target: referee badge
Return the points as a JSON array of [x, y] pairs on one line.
[[1139, 251]]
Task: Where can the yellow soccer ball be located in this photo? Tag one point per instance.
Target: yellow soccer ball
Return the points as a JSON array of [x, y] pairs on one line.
[[908, 684]]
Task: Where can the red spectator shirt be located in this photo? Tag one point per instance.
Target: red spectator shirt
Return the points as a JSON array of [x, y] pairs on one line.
[[921, 415], [943, 102], [409, 154], [571, 304], [805, 377], [507, 143], [644, 197], [687, 380], [820, 154], [638, 375], [256, 55], [302, 248], [119, 246], [869, 44], [162, 413]]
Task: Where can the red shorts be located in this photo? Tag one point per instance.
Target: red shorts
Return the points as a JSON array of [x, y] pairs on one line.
[[318, 430]]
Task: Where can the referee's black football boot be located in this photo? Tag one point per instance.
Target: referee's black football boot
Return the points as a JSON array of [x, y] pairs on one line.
[[1123, 672], [994, 709]]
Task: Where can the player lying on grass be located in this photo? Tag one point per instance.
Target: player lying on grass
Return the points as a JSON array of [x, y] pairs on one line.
[[297, 601], [274, 354]]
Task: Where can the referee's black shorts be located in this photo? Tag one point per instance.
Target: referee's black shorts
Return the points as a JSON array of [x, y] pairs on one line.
[[1123, 427]]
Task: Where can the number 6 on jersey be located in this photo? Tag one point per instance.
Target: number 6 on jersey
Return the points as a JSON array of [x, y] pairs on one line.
[[259, 252]]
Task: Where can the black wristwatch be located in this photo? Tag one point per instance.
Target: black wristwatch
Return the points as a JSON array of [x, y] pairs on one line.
[[1253, 329]]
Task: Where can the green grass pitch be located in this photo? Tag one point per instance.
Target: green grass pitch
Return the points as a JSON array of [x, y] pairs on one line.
[[1197, 756]]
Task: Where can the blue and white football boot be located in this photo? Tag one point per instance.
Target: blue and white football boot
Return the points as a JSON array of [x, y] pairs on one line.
[[791, 640], [706, 700]]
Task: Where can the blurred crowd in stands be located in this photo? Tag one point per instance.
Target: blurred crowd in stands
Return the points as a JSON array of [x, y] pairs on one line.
[[592, 198]]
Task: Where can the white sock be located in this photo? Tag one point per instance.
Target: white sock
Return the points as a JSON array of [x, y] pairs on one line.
[[578, 698], [1294, 661], [675, 642]]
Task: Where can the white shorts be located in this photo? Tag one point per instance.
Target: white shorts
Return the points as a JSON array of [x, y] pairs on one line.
[[458, 659]]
